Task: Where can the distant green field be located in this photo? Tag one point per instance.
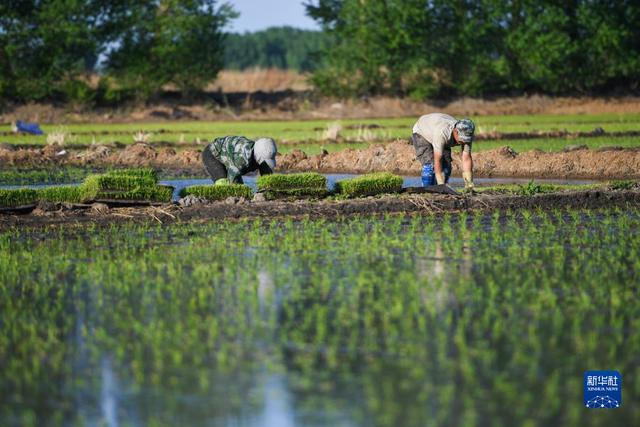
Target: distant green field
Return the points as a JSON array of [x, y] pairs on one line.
[[314, 130]]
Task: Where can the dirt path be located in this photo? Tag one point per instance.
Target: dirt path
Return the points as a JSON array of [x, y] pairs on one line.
[[398, 157], [418, 204]]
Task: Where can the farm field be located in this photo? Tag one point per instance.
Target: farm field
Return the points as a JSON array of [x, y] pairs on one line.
[[459, 319], [363, 131]]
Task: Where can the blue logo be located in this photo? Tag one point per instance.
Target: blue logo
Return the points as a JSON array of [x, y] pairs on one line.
[[602, 389]]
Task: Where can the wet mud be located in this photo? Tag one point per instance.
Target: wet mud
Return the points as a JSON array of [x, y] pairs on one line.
[[397, 157], [238, 209]]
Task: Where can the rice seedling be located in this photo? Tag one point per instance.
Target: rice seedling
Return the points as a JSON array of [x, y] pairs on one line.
[[293, 185], [118, 181], [369, 185], [17, 197], [147, 173], [397, 319], [154, 193], [624, 185], [68, 194], [218, 192]]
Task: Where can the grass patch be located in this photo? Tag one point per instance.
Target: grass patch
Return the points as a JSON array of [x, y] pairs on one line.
[[370, 185], [218, 192]]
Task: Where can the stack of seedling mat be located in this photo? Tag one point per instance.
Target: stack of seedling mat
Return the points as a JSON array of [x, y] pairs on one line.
[[128, 185], [134, 185], [370, 185], [293, 186], [215, 193]]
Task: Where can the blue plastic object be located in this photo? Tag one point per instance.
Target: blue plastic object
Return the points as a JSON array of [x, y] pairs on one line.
[[32, 128], [429, 175]]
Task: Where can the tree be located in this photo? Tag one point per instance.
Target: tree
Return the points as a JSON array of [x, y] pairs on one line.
[[170, 41], [276, 47], [476, 47], [46, 45]]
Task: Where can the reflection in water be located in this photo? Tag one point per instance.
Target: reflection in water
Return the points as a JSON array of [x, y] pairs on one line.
[[277, 409], [401, 321], [108, 395]]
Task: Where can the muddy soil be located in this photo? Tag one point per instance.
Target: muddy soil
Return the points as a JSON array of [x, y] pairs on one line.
[[237, 209], [397, 157]]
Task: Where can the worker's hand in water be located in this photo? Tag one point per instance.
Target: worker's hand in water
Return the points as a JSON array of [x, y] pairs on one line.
[[223, 181]]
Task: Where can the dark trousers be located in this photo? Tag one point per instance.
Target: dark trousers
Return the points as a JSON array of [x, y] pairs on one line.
[[214, 167], [424, 154]]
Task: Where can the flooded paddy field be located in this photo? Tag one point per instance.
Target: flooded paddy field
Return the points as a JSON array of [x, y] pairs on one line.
[[447, 319]]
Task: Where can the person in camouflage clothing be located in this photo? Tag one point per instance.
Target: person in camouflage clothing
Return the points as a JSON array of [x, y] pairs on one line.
[[227, 158]]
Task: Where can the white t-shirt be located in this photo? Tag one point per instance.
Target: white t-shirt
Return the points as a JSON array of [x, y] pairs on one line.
[[436, 128]]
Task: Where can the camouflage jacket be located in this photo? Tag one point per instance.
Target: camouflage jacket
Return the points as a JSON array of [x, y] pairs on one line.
[[236, 154]]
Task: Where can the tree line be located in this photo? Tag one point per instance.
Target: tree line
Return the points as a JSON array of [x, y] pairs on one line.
[[278, 47], [477, 47], [418, 48], [48, 48]]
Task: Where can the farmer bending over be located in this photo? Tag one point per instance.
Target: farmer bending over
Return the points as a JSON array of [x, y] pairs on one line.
[[228, 158], [433, 136]]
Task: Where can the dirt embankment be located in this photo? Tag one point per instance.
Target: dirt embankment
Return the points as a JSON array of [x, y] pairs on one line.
[[398, 157], [418, 204]]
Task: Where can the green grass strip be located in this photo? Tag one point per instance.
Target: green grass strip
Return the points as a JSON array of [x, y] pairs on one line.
[[370, 185], [294, 181], [218, 192]]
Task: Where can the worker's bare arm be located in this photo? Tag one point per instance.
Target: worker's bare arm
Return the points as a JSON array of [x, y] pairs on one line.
[[437, 167], [467, 169], [467, 161]]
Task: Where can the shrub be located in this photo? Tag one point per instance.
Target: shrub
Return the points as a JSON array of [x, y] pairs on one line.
[[294, 181], [17, 197], [370, 185], [218, 192]]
